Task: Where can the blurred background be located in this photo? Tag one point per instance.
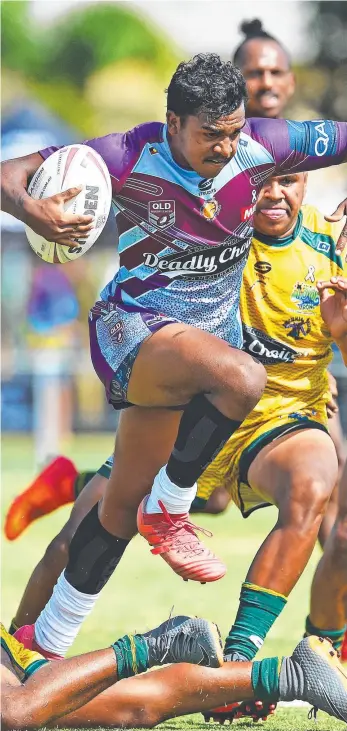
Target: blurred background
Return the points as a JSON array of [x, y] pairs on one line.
[[74, 70]]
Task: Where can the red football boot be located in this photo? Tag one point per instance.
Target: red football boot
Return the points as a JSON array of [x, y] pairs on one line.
[[26, 635], [174, 539], [344, 649], [247, 709], [53, 487]]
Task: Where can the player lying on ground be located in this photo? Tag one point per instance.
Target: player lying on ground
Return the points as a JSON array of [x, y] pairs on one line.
[[174, 308], [83, 691]]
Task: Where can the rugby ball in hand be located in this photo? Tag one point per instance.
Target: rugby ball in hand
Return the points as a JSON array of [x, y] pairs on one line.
[[71, 166]]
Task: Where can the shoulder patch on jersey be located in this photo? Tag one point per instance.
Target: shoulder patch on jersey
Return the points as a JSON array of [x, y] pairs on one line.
[[322, 243]]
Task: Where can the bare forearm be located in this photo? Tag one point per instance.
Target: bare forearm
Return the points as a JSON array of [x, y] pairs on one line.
[[61, 687], [15, 175]]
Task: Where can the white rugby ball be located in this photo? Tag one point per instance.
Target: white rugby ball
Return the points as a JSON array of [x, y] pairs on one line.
[[68, 167]]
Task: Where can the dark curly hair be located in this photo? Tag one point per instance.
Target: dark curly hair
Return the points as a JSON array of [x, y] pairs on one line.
[[206, 85], [254, 29]]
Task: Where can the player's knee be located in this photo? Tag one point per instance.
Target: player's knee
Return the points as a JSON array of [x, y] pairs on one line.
[[246, 387], [57, 552], [218, 501], [141, 716], [308, 500]]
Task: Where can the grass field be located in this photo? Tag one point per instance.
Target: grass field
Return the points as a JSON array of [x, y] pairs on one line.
[[143, 590]]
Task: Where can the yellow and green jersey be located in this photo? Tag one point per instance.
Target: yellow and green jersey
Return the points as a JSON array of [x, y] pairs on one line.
[[24, 662], [282, 324], [283, 328]]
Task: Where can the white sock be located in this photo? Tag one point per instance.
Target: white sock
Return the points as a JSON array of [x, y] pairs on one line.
[[59, 622], [176, 499]]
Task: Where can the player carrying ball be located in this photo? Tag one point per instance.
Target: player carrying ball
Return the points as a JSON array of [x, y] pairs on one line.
[[162, 331]]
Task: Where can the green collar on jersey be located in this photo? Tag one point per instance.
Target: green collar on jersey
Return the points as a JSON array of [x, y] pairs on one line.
[[286, 240]]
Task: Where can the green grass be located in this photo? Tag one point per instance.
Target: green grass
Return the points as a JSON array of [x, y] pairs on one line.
[[143, 590]]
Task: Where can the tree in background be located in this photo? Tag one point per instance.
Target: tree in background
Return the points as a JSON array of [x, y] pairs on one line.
[[101, 67]]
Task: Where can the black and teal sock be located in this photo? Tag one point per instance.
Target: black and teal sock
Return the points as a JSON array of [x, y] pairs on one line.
[[13, 627], [265, 678], [81, 481], [198, 505], [132, 656], [258, 610], [278, 678], [335, 635]]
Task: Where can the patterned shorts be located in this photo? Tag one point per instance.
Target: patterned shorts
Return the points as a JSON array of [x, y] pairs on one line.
[[116, 333]]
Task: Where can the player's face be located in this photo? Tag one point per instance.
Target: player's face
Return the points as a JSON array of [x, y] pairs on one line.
[[270, 82], [279, 203], [205, 147]]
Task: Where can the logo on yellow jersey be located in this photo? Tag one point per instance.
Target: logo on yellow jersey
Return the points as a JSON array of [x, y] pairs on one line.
[[298, 327], [305, 296]]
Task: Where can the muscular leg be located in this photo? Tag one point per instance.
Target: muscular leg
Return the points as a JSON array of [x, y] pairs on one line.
[[297, 473], [329, 585], [173, 366], [41, 583], [335, 431]]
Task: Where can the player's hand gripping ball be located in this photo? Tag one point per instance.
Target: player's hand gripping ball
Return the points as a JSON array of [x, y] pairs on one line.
[[77, 183]]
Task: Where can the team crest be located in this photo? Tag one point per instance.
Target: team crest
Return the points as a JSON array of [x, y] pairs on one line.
[[298, 327], [305, 296], [161, 213], [210, 209], [117, 332]]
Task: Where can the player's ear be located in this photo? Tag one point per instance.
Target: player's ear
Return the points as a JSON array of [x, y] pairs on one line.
[[173, 122], [305, 183]]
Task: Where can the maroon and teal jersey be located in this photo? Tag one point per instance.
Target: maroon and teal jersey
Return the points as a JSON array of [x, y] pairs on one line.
[[183, 239]]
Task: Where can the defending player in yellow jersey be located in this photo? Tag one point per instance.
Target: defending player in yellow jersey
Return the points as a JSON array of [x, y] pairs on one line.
[[284, 328]]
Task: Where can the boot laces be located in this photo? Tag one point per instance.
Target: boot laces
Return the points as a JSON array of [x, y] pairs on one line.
[[179, 534]]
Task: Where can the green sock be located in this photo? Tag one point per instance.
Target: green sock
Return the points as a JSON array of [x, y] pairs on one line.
[[198, 505], [335, 635], [265, 678], [132, 655], [258, 610], [81, 481]]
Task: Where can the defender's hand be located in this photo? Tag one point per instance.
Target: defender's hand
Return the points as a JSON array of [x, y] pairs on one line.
[[48, 218], [341, 211], [333, 306]]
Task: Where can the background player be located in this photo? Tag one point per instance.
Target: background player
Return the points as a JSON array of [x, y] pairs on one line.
[[83, 691], [202, 134]]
